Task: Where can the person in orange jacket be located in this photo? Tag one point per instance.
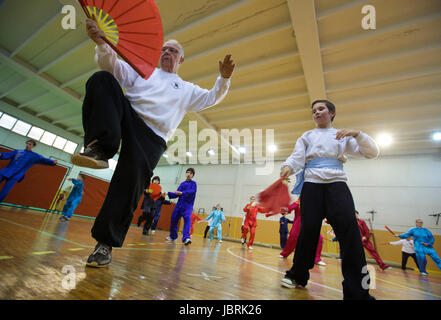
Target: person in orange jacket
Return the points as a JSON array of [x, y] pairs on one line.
[[194, 217], [250, 223], [364, 231], [246, 209]]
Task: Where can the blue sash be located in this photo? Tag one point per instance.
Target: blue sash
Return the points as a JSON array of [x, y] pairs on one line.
[[315, 163]]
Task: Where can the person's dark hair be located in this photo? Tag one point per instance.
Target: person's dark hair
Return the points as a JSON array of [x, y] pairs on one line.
[[156, 178], [356, 212], [83, 176], [32, 141], [329, 105], [191, 170]]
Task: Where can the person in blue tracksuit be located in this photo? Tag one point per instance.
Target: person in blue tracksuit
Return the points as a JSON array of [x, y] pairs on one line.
[[423, 243], [187, 194], [218, 217], [283, 230], [74, 198], [21, 161]]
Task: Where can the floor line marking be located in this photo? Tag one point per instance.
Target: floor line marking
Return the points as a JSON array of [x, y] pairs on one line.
[[266, 267]]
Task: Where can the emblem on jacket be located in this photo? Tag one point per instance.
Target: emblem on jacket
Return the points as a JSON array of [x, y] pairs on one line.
[[176, 85]]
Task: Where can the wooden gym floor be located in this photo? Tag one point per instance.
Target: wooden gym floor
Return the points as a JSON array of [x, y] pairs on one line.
[[37, 252]]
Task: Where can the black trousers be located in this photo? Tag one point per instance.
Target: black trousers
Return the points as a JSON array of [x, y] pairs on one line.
[[334, 202], [283, 239], [405, 256], [109, 118], [206, 231]]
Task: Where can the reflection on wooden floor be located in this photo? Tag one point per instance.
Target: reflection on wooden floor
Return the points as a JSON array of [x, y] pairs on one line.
[[38, 254]]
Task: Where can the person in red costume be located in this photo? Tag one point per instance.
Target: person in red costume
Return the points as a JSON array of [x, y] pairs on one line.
[[364, 231], [246, 209], [250, 223], [294, 235], [194, 217]]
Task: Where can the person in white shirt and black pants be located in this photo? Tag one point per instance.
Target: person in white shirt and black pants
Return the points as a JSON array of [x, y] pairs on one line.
[[142, 119], [407, 250], [318, 156]]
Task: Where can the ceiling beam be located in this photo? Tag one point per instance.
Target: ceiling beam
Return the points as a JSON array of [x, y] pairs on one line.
[[229, 45], [379, 31], [384, 80], [13, 88], [235, 5], [26, 103], [353, 3], [254, 102], [304, 23], [64, 55], [383, 58], [77, 115], [52, 109], [35, 34], [79, 77], [47, 82], [251, 65]]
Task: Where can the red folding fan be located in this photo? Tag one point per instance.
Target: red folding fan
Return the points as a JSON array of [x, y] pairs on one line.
[[133, 29], [276, 196]]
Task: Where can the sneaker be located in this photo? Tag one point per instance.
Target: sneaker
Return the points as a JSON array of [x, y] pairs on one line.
[[146, 233], [187, 241], [100, 257], [92, 157], [290, 283], [250, 248], [424, 273], [64, 219], [280, 256], [153, 231], [321, 263], [220, 241], [170, 239], [387, 268], [242, 240]]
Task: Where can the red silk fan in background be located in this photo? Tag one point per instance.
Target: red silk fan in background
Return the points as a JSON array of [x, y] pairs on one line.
[[275, 197], [133, 29]]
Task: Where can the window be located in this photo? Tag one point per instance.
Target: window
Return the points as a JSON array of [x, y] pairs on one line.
[[70, 147], [6, 121], [35, 133], [48, 138], [21, 128], [59, 143]]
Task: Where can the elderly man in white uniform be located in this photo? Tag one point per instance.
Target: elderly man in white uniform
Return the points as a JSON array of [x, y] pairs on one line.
[[142, 119]]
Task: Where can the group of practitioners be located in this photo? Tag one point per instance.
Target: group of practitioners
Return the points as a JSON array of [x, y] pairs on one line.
[[143, 117]]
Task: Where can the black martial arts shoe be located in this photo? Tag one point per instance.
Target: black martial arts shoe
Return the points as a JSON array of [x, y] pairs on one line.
[[100, 257], [92, 157]]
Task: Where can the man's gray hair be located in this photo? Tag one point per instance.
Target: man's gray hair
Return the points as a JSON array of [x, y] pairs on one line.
[[181, 48]]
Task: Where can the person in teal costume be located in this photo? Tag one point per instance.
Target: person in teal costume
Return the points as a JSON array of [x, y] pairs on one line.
[[423, 243], [74, 198]]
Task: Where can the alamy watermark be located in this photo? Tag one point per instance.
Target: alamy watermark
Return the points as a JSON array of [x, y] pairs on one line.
[[69, 281], [368, 22], [230, 153]]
